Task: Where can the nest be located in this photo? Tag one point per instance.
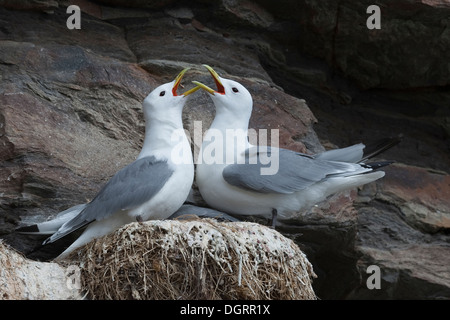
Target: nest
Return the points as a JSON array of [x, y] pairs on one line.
[[196, 259]]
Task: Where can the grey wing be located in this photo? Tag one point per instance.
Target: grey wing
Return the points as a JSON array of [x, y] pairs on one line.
[[296, 171], [349, 154], [130, 187]]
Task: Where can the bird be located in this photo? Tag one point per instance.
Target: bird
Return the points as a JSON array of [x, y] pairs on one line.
[[154, 186], [238, 184]]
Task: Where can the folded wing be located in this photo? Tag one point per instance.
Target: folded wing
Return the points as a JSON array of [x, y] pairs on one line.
[[296, 171], [129, 188]]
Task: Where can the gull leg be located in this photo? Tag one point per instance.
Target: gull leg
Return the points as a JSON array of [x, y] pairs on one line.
[[274, 218]]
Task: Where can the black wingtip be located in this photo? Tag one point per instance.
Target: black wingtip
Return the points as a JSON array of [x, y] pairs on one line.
[[373, 149], [28, 229], [46, 241], [377, 165]]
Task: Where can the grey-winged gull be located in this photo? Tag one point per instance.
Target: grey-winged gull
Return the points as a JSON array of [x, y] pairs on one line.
[[154, 186], [238, 184]]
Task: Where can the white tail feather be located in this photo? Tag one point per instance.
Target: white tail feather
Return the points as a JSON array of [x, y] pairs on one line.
[[50, 227]]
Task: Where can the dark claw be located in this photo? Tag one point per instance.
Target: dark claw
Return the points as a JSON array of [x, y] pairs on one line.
[[274, 218]]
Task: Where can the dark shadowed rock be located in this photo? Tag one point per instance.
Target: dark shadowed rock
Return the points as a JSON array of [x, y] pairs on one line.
[[421, 195], [154, 4], [405, 234], [404, 53], [160, 43], [34, 5]]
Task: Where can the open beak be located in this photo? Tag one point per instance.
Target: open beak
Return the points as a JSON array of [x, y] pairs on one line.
[[219, 85], [177, 84]]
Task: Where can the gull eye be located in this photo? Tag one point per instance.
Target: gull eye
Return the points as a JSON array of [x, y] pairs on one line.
[[235, 89], [162, 93]]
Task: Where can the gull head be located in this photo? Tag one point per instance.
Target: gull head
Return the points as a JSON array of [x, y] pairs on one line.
[[229, 96], [165, 97]]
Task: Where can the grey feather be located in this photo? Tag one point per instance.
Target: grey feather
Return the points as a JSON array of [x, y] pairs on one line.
[[349, 154], [359, 152], [52, 226], [130, 187], [202, 212], [296, 172]]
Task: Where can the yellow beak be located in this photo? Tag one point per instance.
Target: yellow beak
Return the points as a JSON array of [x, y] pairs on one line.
[[216, 77], [177, 84], [204, 87], [191, 91]]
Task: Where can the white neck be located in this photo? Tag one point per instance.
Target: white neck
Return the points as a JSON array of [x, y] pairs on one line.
[[226, 119], [227, 136], [164, 136]]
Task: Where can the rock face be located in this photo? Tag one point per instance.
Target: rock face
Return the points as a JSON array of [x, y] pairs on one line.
[[392, 224], [70, 115]]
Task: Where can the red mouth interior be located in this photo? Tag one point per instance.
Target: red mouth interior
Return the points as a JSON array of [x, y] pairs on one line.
[[220, 88], [175, 88]]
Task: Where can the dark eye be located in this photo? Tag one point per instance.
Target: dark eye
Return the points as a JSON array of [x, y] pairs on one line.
[[235, 89], [162, 93]]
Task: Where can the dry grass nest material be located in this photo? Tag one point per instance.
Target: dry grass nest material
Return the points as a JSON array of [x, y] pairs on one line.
[[196, 259]]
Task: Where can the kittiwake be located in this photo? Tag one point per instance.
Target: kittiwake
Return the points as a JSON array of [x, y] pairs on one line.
[[238, 185], [154, 186]]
